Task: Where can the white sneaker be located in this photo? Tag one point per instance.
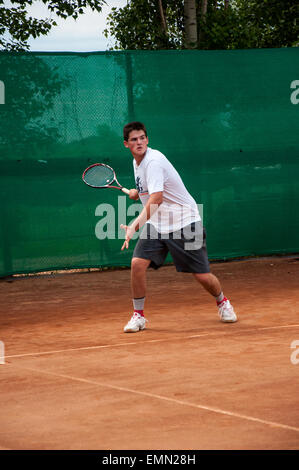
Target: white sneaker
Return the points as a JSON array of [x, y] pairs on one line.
[[136, 323], [226, 312]]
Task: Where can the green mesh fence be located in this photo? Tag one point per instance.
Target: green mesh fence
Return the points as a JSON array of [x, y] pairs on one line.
[[228, 121]]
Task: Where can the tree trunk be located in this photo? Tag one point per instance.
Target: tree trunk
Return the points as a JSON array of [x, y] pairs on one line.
[[190, 23], [203, 17], [226, 2], [204, 7], [162, 15]]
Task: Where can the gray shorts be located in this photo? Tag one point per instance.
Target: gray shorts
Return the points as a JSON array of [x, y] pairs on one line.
[[187, 248]]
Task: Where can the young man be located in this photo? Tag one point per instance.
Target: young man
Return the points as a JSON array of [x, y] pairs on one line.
[[171, 224]]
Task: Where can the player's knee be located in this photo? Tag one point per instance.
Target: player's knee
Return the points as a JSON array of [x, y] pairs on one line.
[[139, 264], [203, 278]]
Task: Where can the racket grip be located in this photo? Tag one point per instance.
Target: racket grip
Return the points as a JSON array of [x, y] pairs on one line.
[[125, 190]]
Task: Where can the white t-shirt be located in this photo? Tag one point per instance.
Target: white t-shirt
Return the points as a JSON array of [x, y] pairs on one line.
[[154, 174]]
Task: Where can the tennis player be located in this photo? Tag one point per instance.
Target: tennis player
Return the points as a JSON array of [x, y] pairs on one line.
[[171, 223]]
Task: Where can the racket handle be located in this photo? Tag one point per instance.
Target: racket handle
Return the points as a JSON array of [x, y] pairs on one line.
[[125, 190]]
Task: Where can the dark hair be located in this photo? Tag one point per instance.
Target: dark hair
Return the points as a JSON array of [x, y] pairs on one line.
[[133, 126]]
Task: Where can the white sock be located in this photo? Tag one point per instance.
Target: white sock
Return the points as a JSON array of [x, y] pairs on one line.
[[219, 298], [139, 304]]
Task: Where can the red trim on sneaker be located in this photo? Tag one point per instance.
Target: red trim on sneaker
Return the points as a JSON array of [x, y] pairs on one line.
[[223, 300], [140, 312]]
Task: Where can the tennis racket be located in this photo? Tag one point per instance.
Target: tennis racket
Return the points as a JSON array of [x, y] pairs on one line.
[[100, 175]]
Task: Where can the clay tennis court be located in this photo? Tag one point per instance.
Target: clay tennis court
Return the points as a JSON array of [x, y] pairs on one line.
[[73, 380]]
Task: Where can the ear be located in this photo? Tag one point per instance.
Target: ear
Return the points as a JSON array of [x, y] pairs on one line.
[[126, 144]]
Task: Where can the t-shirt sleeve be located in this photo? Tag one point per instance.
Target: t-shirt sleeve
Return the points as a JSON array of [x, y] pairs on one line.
[[154, 177]]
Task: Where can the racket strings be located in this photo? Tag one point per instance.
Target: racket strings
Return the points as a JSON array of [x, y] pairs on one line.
[[99, 175]]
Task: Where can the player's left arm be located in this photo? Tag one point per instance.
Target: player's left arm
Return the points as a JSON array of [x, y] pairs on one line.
[[154, 201]]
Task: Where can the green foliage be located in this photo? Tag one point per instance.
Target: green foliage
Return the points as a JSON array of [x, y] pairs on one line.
[[221, 28], [16, 27], [238, 24], [270, 23], [138, 25]]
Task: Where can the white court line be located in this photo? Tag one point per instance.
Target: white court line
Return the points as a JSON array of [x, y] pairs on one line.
[[167, 399], [87, 348]]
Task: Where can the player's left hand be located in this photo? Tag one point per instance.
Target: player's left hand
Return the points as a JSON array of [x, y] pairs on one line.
[[129, 234]]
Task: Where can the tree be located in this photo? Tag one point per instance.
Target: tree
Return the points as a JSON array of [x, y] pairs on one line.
[[190, 22], [249, 24], [220, 24], [16, 27], [152, 24], [270, 23]]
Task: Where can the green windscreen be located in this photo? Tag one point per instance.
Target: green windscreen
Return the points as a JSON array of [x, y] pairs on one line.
[[227, 120]]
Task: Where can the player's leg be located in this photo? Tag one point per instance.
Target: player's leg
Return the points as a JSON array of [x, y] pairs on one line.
[[149, 251], [196, 261], [138, 277], [138, 288], [211, 283]]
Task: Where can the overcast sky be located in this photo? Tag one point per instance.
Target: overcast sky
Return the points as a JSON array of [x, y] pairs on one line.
[[83, 35]]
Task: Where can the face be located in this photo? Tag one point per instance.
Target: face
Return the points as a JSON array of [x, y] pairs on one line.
[[137, 143]]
